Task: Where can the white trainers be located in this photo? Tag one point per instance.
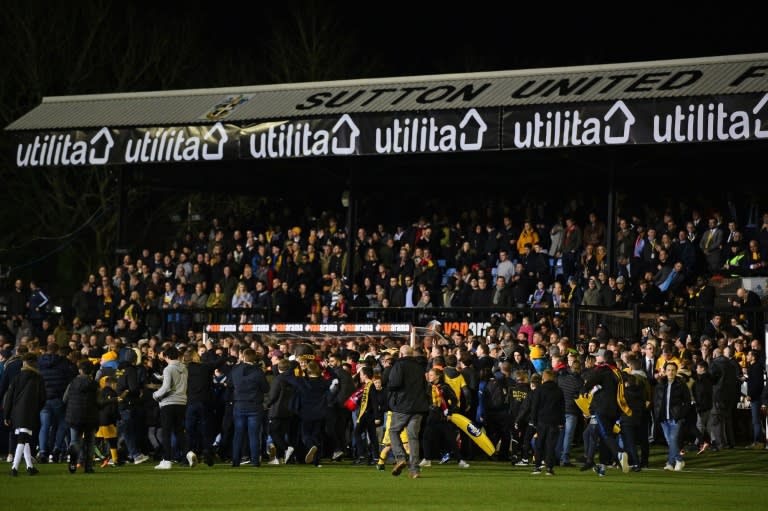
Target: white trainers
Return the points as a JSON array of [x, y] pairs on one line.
[[191, 459], [9, 459], [310, 457], [679, 466], [163, 465], [273, 461], [624, 462], [463, 464], [288, 453], [669, 467], [425, 463], [337, 455], [141, 458]]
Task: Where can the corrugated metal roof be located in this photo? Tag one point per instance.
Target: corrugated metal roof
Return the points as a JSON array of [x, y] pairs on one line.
[[706, 76]]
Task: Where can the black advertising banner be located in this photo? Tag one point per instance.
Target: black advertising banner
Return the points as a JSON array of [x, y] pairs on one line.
[[665, 121], [658, 121], [407, 133], [128, 146]]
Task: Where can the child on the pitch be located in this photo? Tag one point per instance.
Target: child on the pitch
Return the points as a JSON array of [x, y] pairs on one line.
[[108, 416]]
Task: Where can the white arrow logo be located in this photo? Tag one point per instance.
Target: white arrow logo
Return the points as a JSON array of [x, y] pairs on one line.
[[219, 154], [760, 133], [482, 128], [354, 131], [103, 132], [629, 121]]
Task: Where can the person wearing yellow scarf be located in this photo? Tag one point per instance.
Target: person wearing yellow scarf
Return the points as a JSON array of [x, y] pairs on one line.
[[368, 417]]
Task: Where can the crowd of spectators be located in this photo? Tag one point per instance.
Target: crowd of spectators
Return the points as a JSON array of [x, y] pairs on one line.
[[159, 299], [307, 274]]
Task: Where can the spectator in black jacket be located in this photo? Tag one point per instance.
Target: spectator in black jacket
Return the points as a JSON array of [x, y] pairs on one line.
[[702, 396], [17, 303], [520, 405], [21, 410], [57, 372], [548, 415], [198, 420], [311, 398], [280, 415], [755, 387], [408, 400], [368, 419], [249, 385], [130, 379], [725, 392], [82, 416], [570, 383], [339, 418], [670, 403]]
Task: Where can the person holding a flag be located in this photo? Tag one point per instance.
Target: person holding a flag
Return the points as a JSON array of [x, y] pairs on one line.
[[606, 386]]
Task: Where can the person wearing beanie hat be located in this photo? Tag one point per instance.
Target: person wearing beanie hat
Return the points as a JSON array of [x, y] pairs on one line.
[[538, 357], [108, 365]]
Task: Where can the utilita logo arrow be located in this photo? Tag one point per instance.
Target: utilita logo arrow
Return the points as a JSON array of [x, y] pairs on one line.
[[629, 120], [759, 131], [472, 114], [110, 143], [354, 132], [219, 154]]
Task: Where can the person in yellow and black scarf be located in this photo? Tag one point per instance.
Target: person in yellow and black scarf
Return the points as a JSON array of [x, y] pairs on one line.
[[439, 432], [107, 401], [368, 418]]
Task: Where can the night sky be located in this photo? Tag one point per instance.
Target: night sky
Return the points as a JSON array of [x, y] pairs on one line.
[[409, 38], [237, 44]]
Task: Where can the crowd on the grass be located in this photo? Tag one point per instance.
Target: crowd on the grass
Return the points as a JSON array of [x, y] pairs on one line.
[[237, 399], [138, 327]]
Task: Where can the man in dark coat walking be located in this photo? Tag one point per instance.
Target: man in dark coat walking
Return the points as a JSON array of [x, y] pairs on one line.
[[21, 411], [82, 416], [409, 401], [548, 415]]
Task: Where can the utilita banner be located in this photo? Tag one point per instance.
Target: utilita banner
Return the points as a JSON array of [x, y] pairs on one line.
[[128, 146], [669, 121], [659, 121]]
